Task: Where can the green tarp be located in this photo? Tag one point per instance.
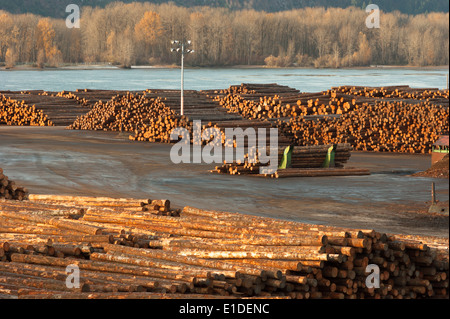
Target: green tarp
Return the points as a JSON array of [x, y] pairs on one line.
[[287, 157], [329, 160]]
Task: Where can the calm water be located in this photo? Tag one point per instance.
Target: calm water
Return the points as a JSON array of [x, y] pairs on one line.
[[306, 80]]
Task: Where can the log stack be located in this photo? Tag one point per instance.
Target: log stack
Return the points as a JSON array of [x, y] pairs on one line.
[[18, 113], [9, 189], [122, 113], [160, 208], [158, 129], [383, 127], [435, 96], [254, 101], [306, 161], [124, 251], [253, 91], [84, 97], [149, 118], [380, 119], [274, 101], [255, 127], [152, 117], [314, 156], [197, 106], [67, 95], [58, 107]]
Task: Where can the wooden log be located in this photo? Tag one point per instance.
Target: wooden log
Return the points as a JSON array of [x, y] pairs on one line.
[[169, 256], [65, 224]]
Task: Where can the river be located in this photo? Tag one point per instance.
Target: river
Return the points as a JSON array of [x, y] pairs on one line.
[[305, 80]]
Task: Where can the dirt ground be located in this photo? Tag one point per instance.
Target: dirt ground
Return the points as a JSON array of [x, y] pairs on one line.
[[62, 162], [438, 170]]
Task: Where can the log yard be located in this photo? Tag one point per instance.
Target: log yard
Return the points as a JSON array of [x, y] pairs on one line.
[[225, 158], [87, 182]]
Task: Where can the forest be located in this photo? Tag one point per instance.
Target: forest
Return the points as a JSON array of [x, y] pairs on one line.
[[140, 34], [55, 8]]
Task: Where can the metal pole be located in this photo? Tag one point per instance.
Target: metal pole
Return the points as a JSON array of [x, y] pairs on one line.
[[182, 79], [433, 193]]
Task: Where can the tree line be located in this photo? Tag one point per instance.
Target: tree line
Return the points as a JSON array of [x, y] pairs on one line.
[[140, 34], [55, 8]]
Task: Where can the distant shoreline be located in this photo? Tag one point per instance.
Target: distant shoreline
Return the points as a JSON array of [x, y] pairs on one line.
[[94, 67]]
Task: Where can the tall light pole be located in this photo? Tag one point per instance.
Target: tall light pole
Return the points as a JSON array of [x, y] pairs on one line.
[[181, 46]]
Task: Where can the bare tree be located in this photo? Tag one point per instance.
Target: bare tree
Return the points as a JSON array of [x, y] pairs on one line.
[[141, 33]]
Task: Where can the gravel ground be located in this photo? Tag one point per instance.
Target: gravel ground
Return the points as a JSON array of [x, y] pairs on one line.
[[56, 161]]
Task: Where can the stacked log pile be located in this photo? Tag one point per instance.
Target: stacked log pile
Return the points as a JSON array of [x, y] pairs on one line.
[[305, 162], [121, 113], [158, 129], [435, 96], [385, 119], [255, 127], [84, 97], [61, 111], [149, 118], [255, 101], [384, 127], [274, 101], [314, 156], [9, 189], [198, 107], [67, 95], [381, 119], [19, 113], [255, 92], [123, 253], [64, 107], [322, 103]]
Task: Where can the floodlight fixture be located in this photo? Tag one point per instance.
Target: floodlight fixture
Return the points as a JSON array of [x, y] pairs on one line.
[[182, 48]]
